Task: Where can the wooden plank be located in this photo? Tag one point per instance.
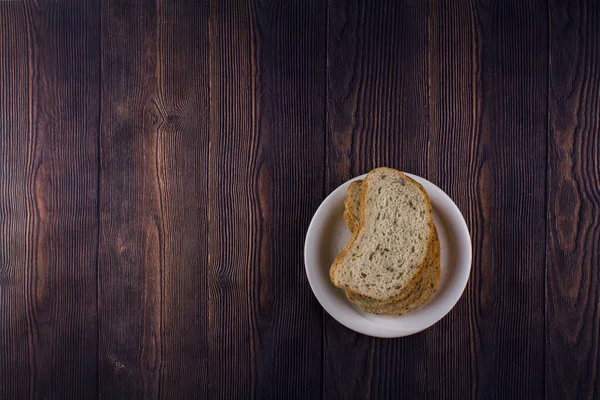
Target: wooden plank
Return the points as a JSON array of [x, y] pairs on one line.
[[489, 121], [573, 241], [377, 116], [265, 182], [49, 101], [153, 208], [455, 116]]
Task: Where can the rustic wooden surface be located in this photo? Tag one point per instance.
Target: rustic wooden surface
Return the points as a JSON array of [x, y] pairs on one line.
[[160, 163]]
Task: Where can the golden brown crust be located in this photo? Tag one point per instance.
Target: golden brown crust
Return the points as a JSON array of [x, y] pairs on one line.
[[349, 218], [349, 208]]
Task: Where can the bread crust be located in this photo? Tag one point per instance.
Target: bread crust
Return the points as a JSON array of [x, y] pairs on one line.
[[349, 217]]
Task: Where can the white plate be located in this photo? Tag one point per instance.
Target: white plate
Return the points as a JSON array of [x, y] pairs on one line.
[[328, 234]]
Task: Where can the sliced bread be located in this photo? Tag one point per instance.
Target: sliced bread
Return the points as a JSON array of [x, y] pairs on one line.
[[387, 256], [426, 287], [421, 295]]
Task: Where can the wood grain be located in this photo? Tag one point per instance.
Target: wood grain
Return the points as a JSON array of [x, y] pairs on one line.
[[494, 93], [265, 181], [377, 110], [153, 200], [455, 92], [160, 163], [489, 123], [49, 116], [573, 241]]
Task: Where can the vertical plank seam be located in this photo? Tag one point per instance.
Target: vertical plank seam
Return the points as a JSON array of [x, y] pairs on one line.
[[208, 197], [428, 59], [324, 185], [474, 201], [160, 184], [428, 97], [254, 60], [30, 311], [546, 199], [98, 188]]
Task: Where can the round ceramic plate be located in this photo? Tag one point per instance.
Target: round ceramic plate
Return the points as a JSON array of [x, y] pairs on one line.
[[328, 234]]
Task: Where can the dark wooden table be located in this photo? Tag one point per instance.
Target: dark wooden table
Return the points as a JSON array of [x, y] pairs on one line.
[[160, 162]]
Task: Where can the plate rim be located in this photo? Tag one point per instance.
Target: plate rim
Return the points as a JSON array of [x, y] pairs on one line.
[[371, 329]]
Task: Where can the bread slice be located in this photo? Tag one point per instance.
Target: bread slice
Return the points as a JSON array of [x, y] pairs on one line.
[[352, 216], [426, 287], [427, 291], [414, 300], [387, 255], [423, 293]]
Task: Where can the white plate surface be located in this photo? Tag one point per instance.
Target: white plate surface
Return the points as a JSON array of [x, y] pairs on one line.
[[328, 234]]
